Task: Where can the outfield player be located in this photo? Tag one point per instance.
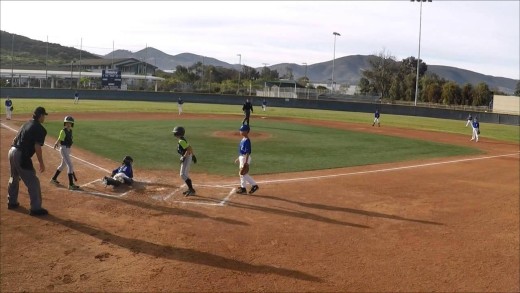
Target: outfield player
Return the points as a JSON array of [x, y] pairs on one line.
[[376, 118], [76, 97], [8, 108], [244, 159], [64, 141], [187, 156], [179, 104]]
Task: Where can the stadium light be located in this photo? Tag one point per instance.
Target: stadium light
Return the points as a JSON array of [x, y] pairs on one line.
[[239, 69], [419, 53], [71, 63], [333, 59]]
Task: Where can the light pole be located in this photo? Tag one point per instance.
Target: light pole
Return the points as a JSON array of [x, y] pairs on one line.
[[334, 58], [239, 69], [71, 63], [305, 69], [419, 53]]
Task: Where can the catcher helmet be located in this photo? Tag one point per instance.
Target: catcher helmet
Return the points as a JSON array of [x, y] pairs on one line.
[[179, 131], [244, 127], [68, 119], [127, 160]]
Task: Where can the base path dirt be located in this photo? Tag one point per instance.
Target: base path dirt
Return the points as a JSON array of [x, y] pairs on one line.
[[438, 225]]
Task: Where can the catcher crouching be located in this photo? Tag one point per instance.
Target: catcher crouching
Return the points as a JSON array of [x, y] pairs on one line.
[[123, 174]]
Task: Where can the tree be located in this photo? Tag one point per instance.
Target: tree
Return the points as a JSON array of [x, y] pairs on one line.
[[383, 68], [517, 90], [364, 86], [451, 93], [467, 94], [482, 95]]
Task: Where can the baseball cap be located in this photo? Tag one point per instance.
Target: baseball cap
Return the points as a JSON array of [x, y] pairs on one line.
[[40, 111], [244, 127]]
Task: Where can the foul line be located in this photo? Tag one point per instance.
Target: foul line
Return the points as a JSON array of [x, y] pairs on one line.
[[380, 170]]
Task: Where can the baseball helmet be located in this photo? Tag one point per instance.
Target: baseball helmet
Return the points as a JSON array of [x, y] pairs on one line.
[[128, 159], [179, 131], [68, 119], [244, 127]]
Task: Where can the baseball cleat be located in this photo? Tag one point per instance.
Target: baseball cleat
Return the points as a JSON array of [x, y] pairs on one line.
[[253, 189], [189, 192], [74, 187], [241, 190], [55, 182]]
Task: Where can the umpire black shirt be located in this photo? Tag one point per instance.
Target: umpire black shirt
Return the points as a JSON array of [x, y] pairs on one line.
[[31, 133]]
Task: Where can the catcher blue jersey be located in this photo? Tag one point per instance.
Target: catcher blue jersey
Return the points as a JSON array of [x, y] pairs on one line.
[[245, 146]]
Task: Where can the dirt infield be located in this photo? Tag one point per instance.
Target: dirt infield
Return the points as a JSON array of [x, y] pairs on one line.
[[444, 225]]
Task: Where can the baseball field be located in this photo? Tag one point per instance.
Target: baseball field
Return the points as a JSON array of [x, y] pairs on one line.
[[343, 206]]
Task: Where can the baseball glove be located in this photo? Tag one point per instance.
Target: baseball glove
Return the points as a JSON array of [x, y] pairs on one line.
[[245, 169], [12, 108], [478, 131], [194, 159]]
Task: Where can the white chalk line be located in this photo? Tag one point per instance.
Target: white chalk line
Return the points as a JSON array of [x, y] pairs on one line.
[[380, 170], [276, 181]]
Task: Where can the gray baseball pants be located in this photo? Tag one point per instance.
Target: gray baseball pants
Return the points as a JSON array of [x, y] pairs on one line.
[[29, 178]]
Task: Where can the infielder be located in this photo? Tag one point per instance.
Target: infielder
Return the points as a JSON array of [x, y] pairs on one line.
[[244, 159], [65, 142], [187, 156], [476, 130], [470, 120]]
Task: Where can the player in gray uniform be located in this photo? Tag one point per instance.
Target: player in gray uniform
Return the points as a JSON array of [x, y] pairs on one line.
[[187, 156], [64, 141], [28, 141]]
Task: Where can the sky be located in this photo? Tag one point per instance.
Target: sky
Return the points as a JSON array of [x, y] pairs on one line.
[[481, 36]]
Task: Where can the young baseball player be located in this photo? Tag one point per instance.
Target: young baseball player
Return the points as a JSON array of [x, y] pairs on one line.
[[264, 105], [179, 105], [470, 120], [123, 174], [8, 108], [64, 141], [476, 129], [244, 159], [376, 118], [187, 156]]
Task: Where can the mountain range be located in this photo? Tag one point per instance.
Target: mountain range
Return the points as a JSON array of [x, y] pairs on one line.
[[347, 69]]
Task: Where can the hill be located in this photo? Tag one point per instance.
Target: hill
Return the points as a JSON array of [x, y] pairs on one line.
[[347, 69]]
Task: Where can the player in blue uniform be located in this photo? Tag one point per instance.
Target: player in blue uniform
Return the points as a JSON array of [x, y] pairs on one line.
[[470, 120], [476, 130], [64, 141], [122, 174], [244, 159], [8, 108], [376, 118]]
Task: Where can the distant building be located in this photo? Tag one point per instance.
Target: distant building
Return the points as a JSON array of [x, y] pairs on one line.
[[125, 65]]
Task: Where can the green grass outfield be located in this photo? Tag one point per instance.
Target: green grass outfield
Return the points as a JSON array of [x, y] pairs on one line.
[[291, 147]]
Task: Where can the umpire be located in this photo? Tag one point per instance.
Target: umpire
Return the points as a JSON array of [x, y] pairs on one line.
[[247, 108], [29, 140]]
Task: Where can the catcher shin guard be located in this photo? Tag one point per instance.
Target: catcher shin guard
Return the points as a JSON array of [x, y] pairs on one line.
[[112, 181]]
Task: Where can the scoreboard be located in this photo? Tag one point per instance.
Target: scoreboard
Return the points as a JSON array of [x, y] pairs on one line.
[[111, 78]]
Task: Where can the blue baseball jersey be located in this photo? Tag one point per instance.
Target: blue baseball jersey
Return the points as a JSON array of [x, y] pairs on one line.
[[245, 146], [376, 114], [127, 169], [476, 124], [8, 103]]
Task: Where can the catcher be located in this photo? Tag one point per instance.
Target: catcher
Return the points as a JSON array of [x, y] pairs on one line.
[[244, 159], [123, 174]]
